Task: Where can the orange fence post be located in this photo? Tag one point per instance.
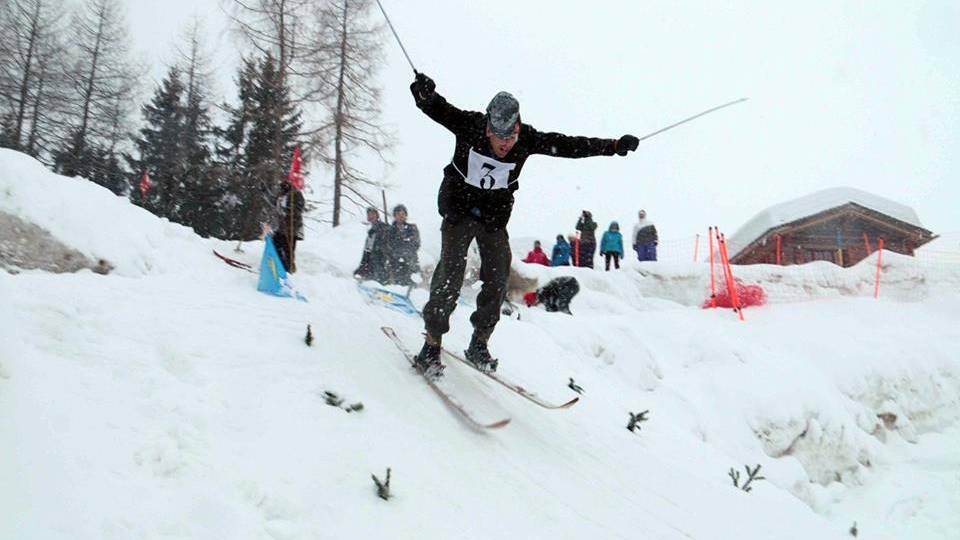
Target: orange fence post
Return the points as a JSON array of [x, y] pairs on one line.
[[876, 288], [734, 296], [779, 249], [713, 281], [723, 267], [866, 243], [696, 247]]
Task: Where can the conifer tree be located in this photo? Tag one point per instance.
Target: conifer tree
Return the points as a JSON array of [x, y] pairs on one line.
[[160, 147], [273, 133]]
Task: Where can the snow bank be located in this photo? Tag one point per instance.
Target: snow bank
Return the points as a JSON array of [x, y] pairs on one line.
[[93, 220], [182, 403]]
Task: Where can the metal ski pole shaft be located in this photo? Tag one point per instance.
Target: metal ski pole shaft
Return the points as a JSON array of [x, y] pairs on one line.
[[394, 30], [685, 120]]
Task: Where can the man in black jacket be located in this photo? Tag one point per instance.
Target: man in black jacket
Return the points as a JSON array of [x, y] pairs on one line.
[[373, 263], [403, 241], [475, 200], [289, 205]]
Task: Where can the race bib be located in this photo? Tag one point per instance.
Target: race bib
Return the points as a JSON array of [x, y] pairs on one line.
[[487, 173]]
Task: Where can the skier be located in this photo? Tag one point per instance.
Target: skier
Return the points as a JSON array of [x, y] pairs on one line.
[[402, 243], [373, 262], [475, 200], [555, 295], [561, 252], [611, 245], [285, 239], [536, 255], [588, 239], [645, 238]]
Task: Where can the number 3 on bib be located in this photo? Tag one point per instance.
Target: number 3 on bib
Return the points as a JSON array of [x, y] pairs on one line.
[[487, 173]]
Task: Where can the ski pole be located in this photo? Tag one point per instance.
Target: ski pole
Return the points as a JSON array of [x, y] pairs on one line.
[[394, 30], [685, 120]]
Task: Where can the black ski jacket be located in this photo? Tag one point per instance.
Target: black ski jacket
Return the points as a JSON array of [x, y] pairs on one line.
[[478, 185]]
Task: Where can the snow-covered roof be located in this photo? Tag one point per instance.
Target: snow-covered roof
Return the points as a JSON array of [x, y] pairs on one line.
[[814, 203]]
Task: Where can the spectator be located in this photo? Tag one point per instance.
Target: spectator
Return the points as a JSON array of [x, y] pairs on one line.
[[611, 246], [402, 243], [561, 252], [556, 295], [574, 249], [645, 238], [289, 206], [537, 256], [373, 263], [588, 239]]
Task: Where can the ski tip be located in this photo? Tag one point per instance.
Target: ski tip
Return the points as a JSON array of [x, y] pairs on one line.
[[498, 425], [570, 403]]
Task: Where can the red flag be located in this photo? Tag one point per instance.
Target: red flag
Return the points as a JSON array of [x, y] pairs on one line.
[[145, 184], [295, 177]]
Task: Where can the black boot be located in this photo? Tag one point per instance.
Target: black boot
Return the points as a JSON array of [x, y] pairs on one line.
[[478, 355], [427, 360]]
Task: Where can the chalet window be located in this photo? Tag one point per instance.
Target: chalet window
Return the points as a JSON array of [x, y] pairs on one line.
[[828, 255]]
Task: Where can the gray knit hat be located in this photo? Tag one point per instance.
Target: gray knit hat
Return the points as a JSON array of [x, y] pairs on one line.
[[503, 113]]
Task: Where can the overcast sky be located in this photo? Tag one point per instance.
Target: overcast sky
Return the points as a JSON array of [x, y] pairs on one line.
[[860, 94]]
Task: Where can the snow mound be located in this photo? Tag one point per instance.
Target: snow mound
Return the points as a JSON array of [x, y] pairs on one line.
[[94, 221]]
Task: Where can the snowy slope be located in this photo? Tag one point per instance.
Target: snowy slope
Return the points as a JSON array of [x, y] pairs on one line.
[[170, 399]]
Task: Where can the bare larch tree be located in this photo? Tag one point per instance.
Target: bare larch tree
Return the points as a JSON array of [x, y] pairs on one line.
[[348, 55]]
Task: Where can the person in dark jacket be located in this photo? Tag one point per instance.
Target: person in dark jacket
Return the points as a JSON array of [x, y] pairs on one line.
[[536, 255], [402, 243], [561, 252], [588, 239], [373, 264], [645, 238], [289, 205], [611, 246], [476, 199], [556, 295]]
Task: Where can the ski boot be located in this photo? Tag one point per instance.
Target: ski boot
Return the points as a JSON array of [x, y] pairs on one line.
[[478, 355], [427, 361]]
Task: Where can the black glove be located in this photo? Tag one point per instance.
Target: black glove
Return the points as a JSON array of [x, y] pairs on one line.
[[627, 143], [422, 86]]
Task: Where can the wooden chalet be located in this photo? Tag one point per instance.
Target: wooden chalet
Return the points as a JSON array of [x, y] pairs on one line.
[[839, 225]]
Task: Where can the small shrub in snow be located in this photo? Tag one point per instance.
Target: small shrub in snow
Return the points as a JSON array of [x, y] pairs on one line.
[[853, 530], [309, 337], [636, 419], [333, 400], [751, 476], [574, 386], [383, 488]]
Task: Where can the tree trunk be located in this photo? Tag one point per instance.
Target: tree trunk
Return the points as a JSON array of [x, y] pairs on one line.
[[338, 121], [80, 141], [35, 115], [25, 81]]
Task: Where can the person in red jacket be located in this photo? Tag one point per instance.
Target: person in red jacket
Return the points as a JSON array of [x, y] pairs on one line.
[[537, 256]]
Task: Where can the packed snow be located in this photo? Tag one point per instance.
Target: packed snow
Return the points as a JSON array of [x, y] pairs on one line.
[[171, 399]]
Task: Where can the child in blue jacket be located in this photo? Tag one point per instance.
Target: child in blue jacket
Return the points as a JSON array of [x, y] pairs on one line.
[[611, 246], [561, 252]]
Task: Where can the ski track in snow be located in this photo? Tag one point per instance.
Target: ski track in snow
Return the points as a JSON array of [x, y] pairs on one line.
[[171, 399]]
